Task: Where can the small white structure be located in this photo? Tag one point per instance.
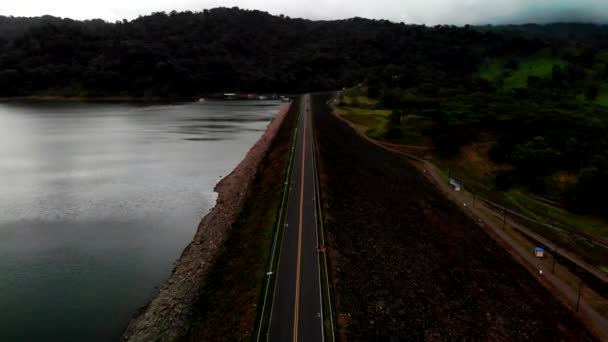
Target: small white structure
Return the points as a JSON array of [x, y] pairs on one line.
[[539, 252], [455, 184]]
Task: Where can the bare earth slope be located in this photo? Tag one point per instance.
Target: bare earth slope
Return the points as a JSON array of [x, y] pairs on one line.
[[407, 264]]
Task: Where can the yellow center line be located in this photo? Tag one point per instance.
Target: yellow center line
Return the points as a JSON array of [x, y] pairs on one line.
[[296, 308]]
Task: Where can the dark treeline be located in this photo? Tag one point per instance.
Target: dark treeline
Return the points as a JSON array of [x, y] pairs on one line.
[[179, 55], [581, 32]]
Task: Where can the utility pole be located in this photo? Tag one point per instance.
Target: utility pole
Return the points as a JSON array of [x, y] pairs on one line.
[[580, 285]]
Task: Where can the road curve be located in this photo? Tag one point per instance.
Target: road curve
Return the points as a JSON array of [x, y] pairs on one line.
[[296, 313]]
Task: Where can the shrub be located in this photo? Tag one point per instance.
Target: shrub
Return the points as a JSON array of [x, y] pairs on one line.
[[504, 180], [394, 132]]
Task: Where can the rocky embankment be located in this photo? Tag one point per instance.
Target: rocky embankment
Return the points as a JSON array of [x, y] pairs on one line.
[[166, 317], [407, 264]]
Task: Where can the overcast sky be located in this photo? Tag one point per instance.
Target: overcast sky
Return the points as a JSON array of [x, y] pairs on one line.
[[430, 12]]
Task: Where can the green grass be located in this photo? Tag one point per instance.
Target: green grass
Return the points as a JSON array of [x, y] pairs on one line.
[[375, 122], [355, 97], [602, 97], [492, 71], [553, 215], [539, 67], [353, 92], [443, 175], [414, 128], [372, 122], [602, 56]]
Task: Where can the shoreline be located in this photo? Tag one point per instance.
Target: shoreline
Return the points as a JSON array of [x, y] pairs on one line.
[[131, 99], [103, 99], [166, 315]]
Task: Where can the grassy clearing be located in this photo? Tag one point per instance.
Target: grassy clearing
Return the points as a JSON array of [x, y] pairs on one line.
[[602, 56], [553, 215], [602, 97], [538, 67], [352, 92], [372, 122], [359, 109], [414, 129], [355, 97], [492, 71]]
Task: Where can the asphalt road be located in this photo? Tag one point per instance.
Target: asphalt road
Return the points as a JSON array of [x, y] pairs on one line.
[[296, 307]]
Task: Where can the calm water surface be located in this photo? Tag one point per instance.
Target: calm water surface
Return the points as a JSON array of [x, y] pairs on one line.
[[97, 202]]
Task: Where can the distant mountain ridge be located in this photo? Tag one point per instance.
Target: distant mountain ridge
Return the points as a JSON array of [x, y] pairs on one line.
[[11, 27], [574, 30]]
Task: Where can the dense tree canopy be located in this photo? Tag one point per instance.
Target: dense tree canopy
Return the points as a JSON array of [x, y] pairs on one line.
[[188, 54]]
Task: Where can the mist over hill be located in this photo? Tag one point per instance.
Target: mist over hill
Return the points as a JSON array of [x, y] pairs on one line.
[[554, 13]]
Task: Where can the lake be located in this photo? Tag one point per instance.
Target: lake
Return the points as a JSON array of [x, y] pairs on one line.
[[97, 202]]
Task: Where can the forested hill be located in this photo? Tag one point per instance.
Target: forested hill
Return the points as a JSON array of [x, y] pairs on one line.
[[581, 32], [187, 54], [181, 55]]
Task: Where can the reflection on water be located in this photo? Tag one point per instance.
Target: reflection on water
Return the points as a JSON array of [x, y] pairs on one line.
[[98, 200]]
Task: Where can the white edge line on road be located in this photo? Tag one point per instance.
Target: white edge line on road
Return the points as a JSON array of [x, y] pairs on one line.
[[274, 291], [274, 245], [331, 315], [316, 198]]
